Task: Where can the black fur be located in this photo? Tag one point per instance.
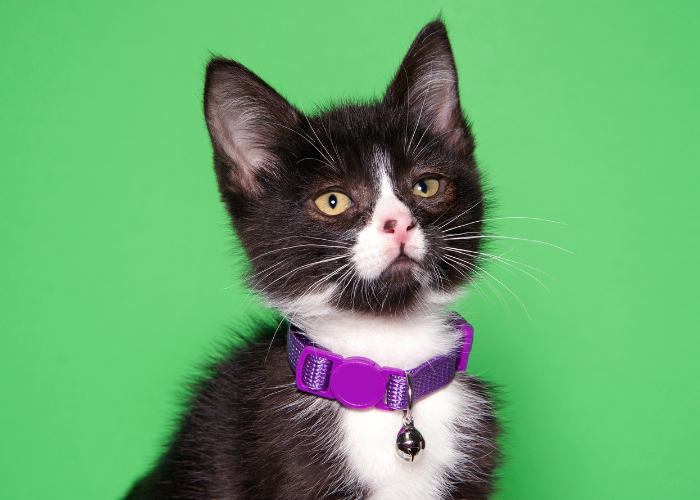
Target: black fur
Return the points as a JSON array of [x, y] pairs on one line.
[[246, 434]]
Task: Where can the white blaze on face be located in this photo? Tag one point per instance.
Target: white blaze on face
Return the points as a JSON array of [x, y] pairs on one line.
[[391, 230]]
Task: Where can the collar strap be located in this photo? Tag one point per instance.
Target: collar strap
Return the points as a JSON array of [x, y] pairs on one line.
[[357, 382]]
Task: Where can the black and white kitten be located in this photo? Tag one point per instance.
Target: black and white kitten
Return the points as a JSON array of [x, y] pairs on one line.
[[344, 216]]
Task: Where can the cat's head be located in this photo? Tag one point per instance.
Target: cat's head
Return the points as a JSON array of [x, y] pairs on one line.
[[358, 207]]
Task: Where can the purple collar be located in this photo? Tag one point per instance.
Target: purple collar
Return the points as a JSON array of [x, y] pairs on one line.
[[358, 382]]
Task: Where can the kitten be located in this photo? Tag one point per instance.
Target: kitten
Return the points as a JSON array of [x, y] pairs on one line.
[[344, 216]]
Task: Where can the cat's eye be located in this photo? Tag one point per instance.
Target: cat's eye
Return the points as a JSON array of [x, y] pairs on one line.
[[333, 203], [426, 188]]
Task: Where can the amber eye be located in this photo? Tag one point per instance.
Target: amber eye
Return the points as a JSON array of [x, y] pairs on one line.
[[426, 188], [333, 203]]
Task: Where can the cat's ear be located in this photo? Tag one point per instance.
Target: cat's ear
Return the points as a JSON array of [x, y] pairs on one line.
[[425, 87], [248, 122]]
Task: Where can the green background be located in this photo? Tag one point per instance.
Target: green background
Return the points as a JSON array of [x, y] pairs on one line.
[[120, 276]]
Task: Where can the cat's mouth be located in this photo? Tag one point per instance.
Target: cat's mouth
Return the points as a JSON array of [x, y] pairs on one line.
[[400, 265]]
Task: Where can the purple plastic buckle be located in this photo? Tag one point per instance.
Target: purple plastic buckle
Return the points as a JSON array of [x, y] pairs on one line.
[[355, 382]]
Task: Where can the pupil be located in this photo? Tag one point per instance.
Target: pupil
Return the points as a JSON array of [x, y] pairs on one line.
[[422, 186], [332, 201]]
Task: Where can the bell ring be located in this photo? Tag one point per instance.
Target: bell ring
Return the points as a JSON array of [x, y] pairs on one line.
[[409, 441]]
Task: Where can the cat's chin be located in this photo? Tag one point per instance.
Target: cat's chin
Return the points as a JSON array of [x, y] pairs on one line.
[[397, 290], [403, 268]]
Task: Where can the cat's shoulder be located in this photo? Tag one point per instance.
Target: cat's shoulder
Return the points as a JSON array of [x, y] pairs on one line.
[[252, 359]]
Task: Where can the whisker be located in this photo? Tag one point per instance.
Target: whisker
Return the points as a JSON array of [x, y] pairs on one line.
[[408, 108], [420, 113], [341, 242], [308, 139], [516, 238], [318, 138], [507, 288], [268, 268], [499, 257], [491, 219], [460, 214], [325, 279], [449, 258], [313, 159], [300, 268], [418, 155], [350, 274], [330, 139], [502, 260], [269, 347], [352, 293], [474, 266], [315, 245], [481, 269]]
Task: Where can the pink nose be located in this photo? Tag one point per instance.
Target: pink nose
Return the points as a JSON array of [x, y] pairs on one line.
[[399, 226]]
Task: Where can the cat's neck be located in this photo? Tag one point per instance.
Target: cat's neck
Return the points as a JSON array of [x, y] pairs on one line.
[[402, 341]]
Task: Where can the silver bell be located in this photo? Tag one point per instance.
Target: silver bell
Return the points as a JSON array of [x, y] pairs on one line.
[[409, 442]]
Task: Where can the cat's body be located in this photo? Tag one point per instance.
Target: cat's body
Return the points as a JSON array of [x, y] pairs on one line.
[[251, 435], [361, 224]]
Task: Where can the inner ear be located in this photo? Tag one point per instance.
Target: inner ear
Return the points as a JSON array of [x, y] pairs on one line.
[[425, 86], [248, 123]]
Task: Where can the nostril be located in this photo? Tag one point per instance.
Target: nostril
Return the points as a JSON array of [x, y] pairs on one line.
[[390, 225], [412, 225]]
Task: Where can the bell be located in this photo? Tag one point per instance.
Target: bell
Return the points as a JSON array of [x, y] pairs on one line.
[[409, 442]]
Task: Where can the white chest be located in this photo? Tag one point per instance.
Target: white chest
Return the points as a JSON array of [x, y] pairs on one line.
[[368, 436], [370, 450]]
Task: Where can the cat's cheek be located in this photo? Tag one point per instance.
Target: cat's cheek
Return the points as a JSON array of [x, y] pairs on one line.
[[416, 247]]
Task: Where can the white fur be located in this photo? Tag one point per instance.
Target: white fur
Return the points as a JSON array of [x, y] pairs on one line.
[[371, 450]]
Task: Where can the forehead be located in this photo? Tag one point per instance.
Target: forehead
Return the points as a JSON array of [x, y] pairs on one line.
[[363, 144]]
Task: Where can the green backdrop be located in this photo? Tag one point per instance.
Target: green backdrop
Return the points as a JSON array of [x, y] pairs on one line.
[[120, 276]]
